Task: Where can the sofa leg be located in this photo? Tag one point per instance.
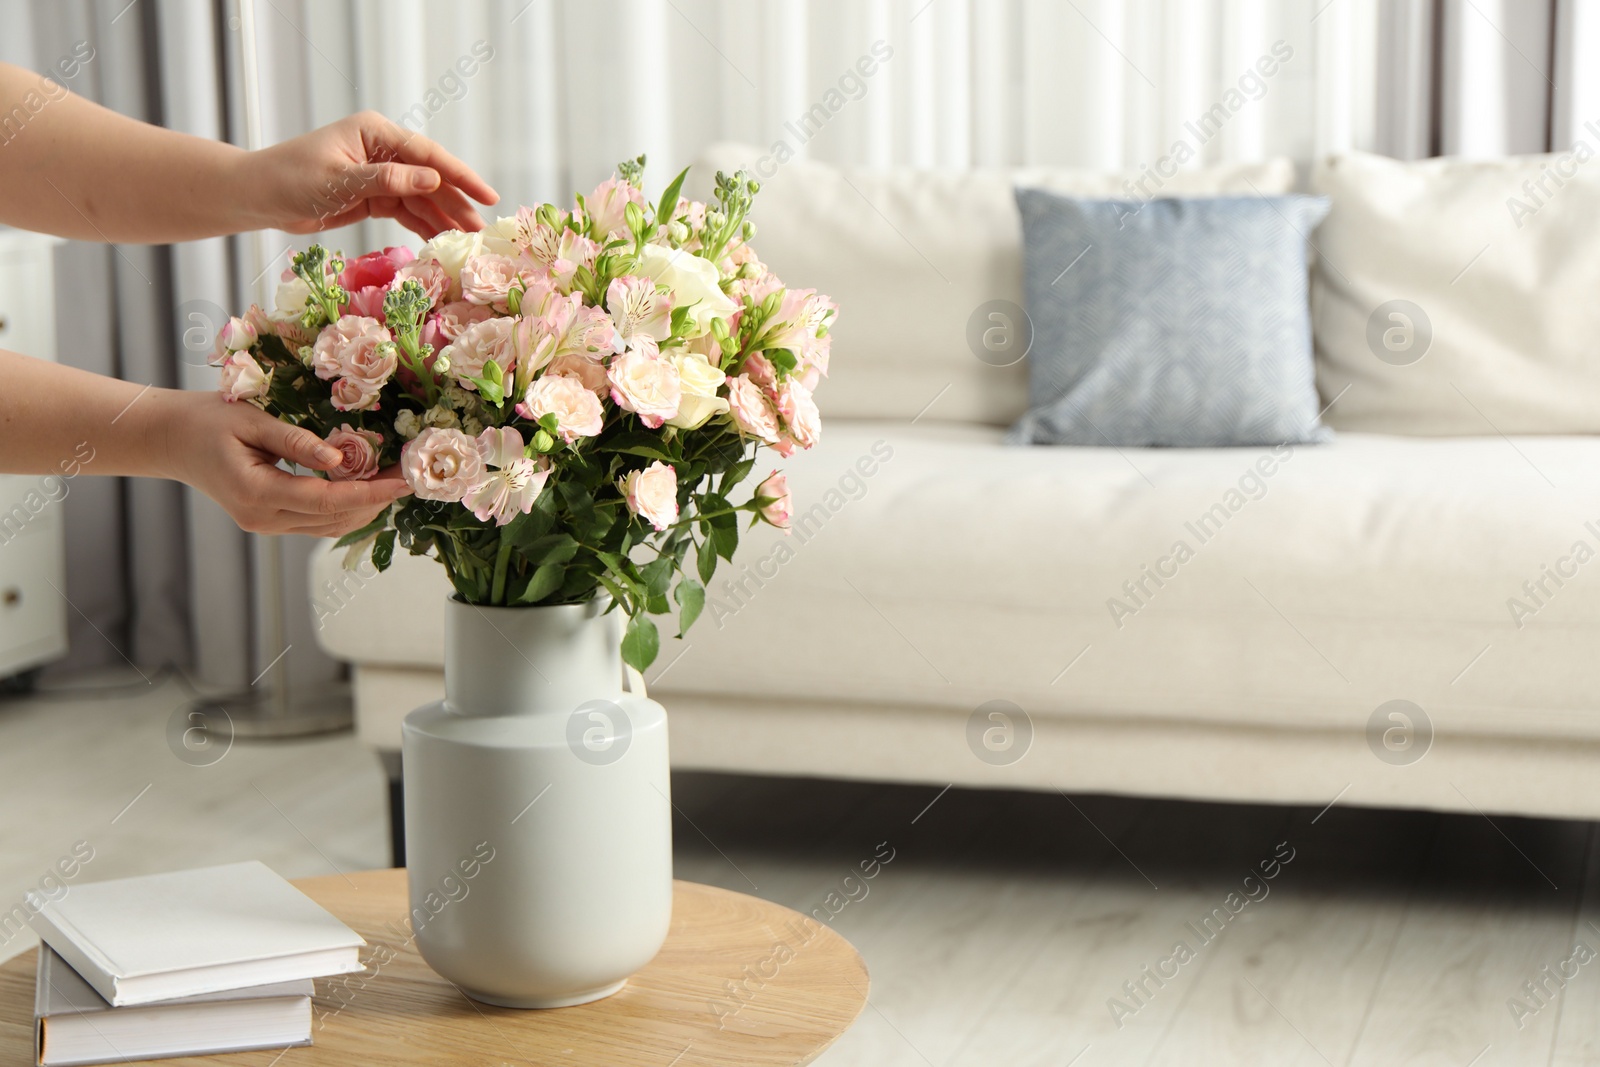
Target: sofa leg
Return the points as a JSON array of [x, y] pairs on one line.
[[397, 808]]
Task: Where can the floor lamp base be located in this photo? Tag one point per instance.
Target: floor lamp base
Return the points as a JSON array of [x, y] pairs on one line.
[[249, 716]]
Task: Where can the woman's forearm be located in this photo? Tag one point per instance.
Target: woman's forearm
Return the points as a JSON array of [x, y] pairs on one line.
[[52, 415], [71, 167]]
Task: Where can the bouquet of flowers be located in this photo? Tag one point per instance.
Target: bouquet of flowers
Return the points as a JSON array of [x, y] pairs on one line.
[[572, 396]]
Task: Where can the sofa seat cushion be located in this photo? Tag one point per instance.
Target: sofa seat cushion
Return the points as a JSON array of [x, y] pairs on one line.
[[1297, 586]]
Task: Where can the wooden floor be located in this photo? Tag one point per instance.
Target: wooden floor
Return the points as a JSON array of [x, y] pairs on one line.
[[1001, 928]]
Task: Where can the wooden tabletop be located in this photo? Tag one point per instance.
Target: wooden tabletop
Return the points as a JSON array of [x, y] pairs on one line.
[[801, 986]]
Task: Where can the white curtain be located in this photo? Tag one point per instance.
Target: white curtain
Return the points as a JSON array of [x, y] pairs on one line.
[[545, 96]]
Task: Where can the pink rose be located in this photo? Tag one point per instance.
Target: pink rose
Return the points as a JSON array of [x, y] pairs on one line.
[[374, 269], [491, 340], [576, 408], [801, 418], [360, 451], [350, 395], [781, 510], [652, 493], [236, 335], [645, 384], [441, 464], [428, 273], [487, 279], [260, 321], [759, 369], [456, 316], [591, 372], [366, 302], [752, 412], [351, 339], [607, 207], [243, 378]]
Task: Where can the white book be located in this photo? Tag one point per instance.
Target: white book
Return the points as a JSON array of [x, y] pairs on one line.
[[164, 936], [74, 1025]]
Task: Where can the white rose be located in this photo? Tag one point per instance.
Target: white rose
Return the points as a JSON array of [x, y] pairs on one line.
[[694, 282], [452, 249], [500, 237], [652, 493], [701, 383], [290, 300]]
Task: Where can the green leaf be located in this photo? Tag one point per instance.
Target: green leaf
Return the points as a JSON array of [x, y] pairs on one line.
[[546, 580], [782, 360], [691, 597], [553, 548], [383, 550], [657, 575], [638, 443], [736, 474], [726, 538], [640, 643], [669, 198], [706, 560]]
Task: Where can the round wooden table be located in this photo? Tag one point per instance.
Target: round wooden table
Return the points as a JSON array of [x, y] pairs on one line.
[[740, 982]]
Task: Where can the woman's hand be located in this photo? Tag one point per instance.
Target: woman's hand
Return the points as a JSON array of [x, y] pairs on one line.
[[359, 167], [230, 453]]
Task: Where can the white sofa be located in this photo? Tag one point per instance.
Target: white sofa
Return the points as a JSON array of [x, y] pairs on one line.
[[933, 570]]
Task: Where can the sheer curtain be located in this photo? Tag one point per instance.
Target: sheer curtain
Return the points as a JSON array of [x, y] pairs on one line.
[[545, 96]]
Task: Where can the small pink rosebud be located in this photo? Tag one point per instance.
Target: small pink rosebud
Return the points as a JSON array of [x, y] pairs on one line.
[[781, 509]]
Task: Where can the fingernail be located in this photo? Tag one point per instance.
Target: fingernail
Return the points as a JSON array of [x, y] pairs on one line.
[[329, 454]]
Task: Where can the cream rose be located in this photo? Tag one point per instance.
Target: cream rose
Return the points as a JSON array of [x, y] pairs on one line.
[[289, 301], [652, 493], [576, 408], [243, 378], [646, 385], [442, 464], [694, 283], [701, 382], [487, 279], [451, 250], [491, 340]]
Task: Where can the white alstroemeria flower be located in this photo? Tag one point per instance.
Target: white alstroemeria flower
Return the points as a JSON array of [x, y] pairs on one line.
[[638, 310], [513, 481], [693, 282]]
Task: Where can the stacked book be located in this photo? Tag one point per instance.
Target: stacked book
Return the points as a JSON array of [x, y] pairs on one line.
[[193, 962]]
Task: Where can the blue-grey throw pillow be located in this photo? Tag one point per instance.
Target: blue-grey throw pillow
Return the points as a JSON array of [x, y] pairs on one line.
[[1169, 322]]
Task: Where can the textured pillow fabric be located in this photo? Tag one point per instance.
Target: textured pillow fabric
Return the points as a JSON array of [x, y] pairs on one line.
[[1178, 322], [1460, 297], [911, 256]]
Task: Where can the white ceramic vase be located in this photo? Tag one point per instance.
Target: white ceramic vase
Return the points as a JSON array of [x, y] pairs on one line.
[[537, 810]]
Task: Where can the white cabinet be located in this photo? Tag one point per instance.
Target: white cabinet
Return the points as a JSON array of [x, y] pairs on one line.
[[33, 615]]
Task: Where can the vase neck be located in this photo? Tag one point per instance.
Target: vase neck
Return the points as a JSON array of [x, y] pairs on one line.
[[530, 661]]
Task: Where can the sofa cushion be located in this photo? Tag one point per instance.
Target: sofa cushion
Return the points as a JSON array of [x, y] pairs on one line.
[[1293, 587], [911, 257], [1174, 322], [1458, 296]]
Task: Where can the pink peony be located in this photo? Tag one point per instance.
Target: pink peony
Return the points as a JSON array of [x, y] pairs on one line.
[[479, 344], [441, 464], [645, 384], [752, 412], [781, 510], [652, 493], [360, 451], [576, 408], [514, 481], [243, 378]]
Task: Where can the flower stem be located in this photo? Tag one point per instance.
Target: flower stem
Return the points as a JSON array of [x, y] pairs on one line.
[[502, 557]]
